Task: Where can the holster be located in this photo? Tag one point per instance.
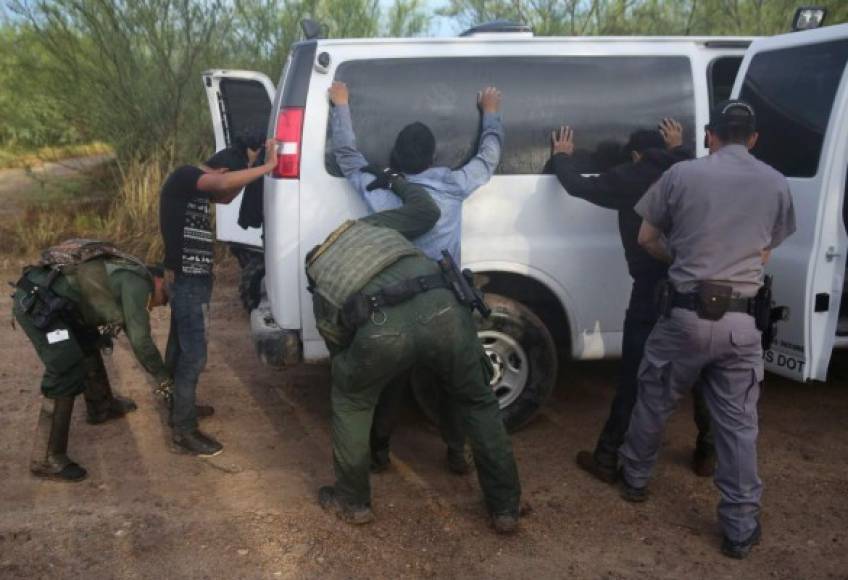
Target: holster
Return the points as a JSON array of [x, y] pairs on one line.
[[713, 300], [41, 304], [663, 295]]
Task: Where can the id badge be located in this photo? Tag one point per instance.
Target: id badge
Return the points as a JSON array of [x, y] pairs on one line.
[[58, 335]]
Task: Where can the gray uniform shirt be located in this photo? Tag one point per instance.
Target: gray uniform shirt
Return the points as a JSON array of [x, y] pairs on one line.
[[718, 214]]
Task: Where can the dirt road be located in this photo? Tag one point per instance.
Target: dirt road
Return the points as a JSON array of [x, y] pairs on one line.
[[251, 512]]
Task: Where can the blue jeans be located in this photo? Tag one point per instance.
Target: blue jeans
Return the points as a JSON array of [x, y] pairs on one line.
[[185, 355]]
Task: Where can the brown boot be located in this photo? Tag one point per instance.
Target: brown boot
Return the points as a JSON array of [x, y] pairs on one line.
[[50, 449]]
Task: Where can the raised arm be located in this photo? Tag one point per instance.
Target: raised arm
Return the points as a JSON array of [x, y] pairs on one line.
[[224, 187], [603, 190], [482, 166], [348, 157]]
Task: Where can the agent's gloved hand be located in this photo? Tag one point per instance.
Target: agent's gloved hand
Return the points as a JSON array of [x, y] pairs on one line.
[[385, 177]]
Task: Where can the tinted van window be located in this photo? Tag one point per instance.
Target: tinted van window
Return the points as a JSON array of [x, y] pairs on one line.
[[792, 92], [721, 75], [603, 98], [247, 108]]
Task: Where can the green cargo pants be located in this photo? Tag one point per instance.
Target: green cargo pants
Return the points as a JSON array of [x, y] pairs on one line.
[[432, 330], [60, 350]]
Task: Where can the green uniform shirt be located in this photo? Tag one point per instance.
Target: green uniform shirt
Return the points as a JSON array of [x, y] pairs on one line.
[[121, 301]]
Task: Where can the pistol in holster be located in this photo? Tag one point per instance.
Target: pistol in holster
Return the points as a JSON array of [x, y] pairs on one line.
[[462, 284], [766, 314], [41, 304], [664, 297]]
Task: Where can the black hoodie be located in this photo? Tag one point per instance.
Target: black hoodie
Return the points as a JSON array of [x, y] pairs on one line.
[[620, 189]]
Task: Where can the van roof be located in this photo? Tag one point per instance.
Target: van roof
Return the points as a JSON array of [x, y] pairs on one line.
[[507, 38]]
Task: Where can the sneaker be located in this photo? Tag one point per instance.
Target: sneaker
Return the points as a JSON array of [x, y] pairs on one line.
[[71, 472], [505, 523], [703, 462], [357, 515], [631, 493], [586, 461], [458, 462], [197, 443], [740, 550]]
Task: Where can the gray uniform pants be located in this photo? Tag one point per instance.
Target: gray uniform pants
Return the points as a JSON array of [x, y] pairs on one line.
[[727, 355]]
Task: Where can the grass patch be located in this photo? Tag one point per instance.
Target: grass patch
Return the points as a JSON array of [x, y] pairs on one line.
[[124, 211], [14, 157]]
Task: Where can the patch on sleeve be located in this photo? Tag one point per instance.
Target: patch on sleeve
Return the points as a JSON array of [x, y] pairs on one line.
[[59, 335]]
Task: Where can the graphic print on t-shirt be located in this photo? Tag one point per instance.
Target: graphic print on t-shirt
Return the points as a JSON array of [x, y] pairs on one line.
[[197, 238]]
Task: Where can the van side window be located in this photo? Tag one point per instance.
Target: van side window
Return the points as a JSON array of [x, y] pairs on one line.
[[721, 75], [792, 92], [604, 98]]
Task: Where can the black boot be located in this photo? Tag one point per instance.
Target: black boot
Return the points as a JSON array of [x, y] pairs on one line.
[[704, 461], [380, 460], [353, 514], [51, 461], [113, 408], [587, 462], [740, 550]]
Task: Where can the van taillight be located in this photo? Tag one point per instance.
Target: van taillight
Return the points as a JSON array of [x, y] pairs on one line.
[[289, 132]]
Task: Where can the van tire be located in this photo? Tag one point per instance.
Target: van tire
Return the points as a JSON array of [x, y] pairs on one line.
[[522, 349]]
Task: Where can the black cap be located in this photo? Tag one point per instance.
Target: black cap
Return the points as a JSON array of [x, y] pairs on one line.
[[414, 149], [732, 113]]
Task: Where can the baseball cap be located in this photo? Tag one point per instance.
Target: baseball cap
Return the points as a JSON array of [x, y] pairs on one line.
[[732, 113]]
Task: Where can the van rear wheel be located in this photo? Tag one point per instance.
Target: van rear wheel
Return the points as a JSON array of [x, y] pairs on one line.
[[524, 357]]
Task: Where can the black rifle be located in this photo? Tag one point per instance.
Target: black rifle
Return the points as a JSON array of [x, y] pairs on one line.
[[462, 284]]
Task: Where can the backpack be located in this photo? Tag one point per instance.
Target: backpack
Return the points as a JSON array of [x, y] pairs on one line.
[[78, 250]]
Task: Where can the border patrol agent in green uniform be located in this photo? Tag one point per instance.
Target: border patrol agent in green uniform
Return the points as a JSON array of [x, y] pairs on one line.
[[383, 308], [61, 310]]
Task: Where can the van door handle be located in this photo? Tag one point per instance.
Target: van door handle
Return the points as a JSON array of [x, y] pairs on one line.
[[831, 254]]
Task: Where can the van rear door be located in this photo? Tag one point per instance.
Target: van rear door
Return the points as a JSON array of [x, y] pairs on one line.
[[240, 104], [797, 86]]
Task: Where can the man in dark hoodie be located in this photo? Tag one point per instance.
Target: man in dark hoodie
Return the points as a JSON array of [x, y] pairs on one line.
[[620, 188]]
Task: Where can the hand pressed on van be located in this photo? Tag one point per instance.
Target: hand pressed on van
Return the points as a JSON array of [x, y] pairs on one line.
[[339, 94], [562, 141], [489, 100], [672, 133]]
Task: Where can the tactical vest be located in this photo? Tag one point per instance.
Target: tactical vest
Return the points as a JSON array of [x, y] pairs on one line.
[[343, 265]]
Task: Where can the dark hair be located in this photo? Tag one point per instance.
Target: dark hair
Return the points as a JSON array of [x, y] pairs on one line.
[[156, 270], [232, 158], [644, 139], [734, 133], [414, 150]]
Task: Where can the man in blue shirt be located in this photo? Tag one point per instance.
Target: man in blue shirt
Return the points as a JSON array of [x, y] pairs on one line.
[[413, 155]]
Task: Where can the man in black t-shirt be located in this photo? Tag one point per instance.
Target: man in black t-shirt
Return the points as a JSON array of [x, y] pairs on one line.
[[185, 222]]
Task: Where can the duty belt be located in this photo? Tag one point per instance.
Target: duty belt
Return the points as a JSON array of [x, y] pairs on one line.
[[360, 307], [690, 302]]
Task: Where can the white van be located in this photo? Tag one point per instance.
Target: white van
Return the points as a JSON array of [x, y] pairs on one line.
[[799, 90], [552, 264]]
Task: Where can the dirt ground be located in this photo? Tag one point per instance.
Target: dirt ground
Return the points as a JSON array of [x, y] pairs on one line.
[[145, 512]]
